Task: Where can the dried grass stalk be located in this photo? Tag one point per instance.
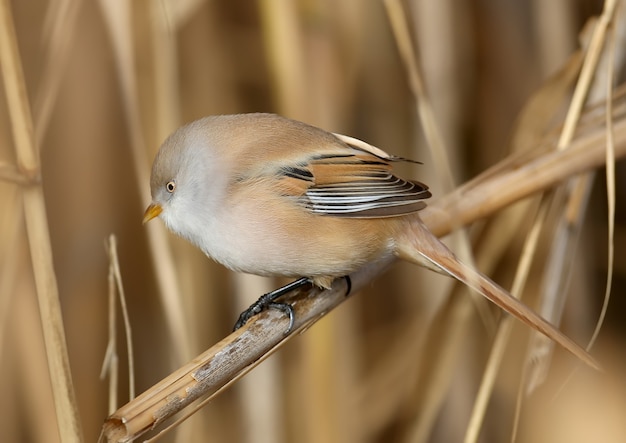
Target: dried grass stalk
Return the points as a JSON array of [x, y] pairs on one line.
[[38, 235]]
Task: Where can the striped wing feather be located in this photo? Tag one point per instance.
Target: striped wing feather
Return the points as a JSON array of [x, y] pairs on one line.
[[354, 185]]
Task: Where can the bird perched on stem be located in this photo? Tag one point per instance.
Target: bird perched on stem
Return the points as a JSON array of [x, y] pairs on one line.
[[266, 195]]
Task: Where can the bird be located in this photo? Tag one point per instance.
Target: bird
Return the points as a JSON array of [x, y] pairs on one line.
[[272, 196]]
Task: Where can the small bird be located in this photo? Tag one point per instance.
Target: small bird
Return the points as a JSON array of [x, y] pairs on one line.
[[271, 196]]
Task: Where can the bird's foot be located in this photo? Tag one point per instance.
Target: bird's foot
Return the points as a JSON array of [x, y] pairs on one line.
[[268, 301]]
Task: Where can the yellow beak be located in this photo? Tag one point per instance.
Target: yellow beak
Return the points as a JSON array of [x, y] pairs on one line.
[[152, 211]]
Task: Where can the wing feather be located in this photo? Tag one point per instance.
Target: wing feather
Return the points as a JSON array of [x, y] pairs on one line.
[[353, 184]]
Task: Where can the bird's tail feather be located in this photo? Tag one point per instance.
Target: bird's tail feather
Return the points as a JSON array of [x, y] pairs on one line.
[[418, 245]]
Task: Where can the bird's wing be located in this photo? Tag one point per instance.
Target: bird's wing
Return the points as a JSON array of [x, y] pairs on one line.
[[353, 181]]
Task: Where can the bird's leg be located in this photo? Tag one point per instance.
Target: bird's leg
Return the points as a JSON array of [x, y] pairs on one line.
[[267, 301]]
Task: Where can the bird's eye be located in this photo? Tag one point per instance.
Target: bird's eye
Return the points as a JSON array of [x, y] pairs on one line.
[[170, 186]]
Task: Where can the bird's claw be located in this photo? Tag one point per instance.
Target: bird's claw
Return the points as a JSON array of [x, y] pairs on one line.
[[260, 306], [267, 301]]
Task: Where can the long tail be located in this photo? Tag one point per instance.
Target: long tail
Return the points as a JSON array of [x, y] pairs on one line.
[[416, 244]]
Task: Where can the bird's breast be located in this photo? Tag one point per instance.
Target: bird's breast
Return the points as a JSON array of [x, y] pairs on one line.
[[280, 238]]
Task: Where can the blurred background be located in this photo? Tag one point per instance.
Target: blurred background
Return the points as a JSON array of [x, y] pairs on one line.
[[402, 361]]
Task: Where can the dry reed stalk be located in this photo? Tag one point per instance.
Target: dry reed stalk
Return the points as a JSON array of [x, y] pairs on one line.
[[58, 32], [110, 364], [556, 30], [12, 174], [571, 222], [434, 138], [68, 421], [399, 25], [12, 240], [164, 69], [445, 340], [284, 41], [518, 176], [610, 169], [552, 199], [244, 349], [505, 327], [118, 21]]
